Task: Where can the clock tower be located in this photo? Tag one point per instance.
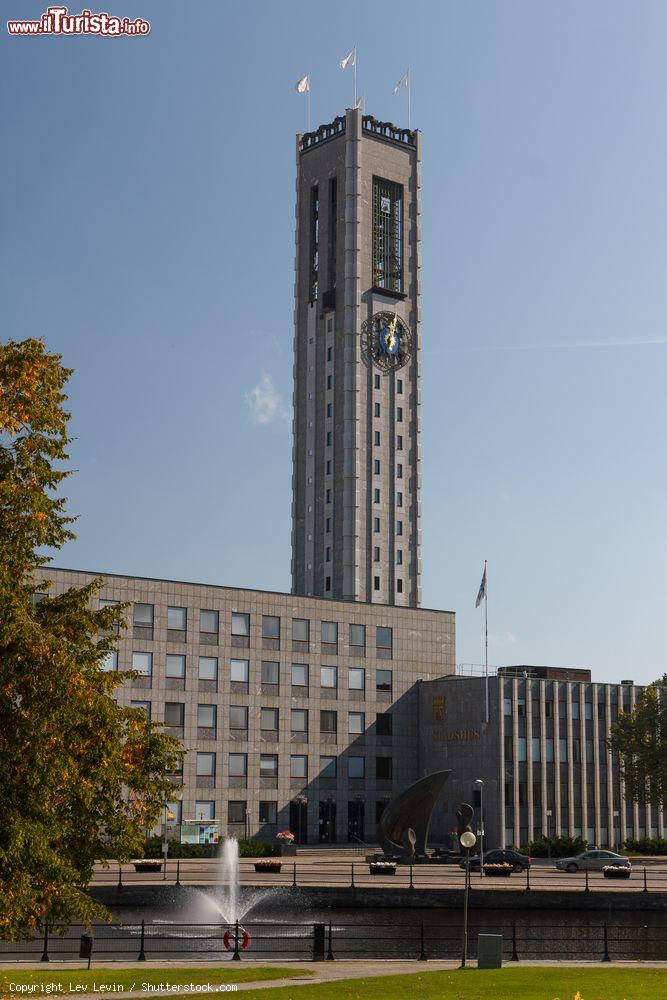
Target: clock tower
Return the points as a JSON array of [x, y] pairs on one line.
[[356, 523]]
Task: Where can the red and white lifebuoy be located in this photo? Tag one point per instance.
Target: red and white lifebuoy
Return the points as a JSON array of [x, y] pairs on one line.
[[244, 941]]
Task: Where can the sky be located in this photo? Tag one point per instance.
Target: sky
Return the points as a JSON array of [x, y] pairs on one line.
[[147, 234]]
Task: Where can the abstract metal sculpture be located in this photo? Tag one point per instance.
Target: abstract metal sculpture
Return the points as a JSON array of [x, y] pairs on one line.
[[405, 822]]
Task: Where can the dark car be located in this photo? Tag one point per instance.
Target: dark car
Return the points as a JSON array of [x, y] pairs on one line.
[[519, 862]]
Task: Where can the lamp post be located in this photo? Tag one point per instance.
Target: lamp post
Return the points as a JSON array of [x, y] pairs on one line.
[[247, 824], [480, 785], [168, 817], [468, 840], [299, 801], [549, 814]]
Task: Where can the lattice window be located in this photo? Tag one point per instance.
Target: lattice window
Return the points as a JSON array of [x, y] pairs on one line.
[[387, 235]]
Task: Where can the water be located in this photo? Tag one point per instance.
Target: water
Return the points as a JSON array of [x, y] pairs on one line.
[[227, 902]]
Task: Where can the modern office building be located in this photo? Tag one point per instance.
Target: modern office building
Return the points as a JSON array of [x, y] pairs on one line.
[[356, 530], [543, 756]]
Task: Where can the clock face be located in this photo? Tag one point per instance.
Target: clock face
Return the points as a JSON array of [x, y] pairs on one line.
[[386, 341]]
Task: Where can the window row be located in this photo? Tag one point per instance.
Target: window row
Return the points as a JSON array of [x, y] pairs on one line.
[[575, 750], [355, 767], [269, 719]]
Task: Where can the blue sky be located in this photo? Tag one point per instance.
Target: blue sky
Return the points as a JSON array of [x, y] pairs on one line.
[[147, 235]]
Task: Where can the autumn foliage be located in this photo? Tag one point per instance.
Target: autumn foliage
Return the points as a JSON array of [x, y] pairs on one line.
[[80, 777]]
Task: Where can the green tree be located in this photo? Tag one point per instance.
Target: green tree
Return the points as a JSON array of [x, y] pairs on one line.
[[640, 739], [80, 777]]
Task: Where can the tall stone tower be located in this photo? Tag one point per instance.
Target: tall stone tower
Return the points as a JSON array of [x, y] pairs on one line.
[[356, 526]]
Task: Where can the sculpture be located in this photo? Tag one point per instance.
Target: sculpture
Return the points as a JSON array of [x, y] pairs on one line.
[[405, 822]]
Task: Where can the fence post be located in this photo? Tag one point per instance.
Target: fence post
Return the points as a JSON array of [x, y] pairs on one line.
[[352, 885], [605, 957], [586, 887], [178, 873], [527, 878], [120, 878], [45, 953], [330, 956], [412, 885], [142, 953], [423, 957], [515, 957], [294, 876], [318, 942], [236, 957], [645, 885]]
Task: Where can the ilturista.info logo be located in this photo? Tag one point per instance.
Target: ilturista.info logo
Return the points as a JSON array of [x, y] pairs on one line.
[[58, 21]]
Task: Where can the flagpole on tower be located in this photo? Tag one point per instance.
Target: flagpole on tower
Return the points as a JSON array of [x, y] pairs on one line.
[[408, 85], [486, 642], [309, 102], [355, 76]]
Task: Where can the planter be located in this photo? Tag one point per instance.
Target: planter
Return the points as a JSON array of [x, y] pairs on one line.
[[501, 871], [147, 865], [268, 867], [382, 869], [288, 850], [616, 871]]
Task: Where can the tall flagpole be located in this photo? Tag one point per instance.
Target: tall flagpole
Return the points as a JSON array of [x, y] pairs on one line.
[[409, 97], [309, 102], [355, 77], [486, 639]]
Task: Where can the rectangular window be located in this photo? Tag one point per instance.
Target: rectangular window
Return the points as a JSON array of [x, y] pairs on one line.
[[383, 724], [175, 666], [110, 661], [399, 413], [329, 677], [238, 765], [376, 467], [588, 708], [330, 632], [399, 442], [143, 664], [356, 723], [376, 409], [145, 706], [376, 381], [327, 554], [327, 767], [268, 720], [327, 525], [328, 492], [376, 438], [329, 438], [143, 615], [383, 768], [240, 624], [209, 622], [536, 750], [399, 527], [329, 407], [204, 810], [300, 629], [329, 381], [376, 524], [207, 716], [376, 553], [299, 718], [562, 751], [206, 765], [174, 713], [357, 635], [383, 637], [549, 750], [383, 680], [399, 557], [376, 583], [208, 668], [298, 766], [399, 499], [399, 386], [357, 679], [399, 471], [239, 671], [236, 811], [376, 496], [356, 767], [270, 672], [332, 233], [589, 751], [521, 707], [314, 249], [399, 586], [300, 675], [270, 627], [575, 709], [268, 765], [521, 747], [328, 722], [387, 241], [238, 717], [177, 619], [507, 706], [268, 812]]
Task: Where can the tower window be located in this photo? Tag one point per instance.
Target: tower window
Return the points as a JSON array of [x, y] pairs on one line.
[[314, 242], [329, 351], [399, 499], [376, 583], [399, 527], [376, 381], [387, 235], [328, 473], [333, 218], [329, 409], [376, 438], [399, 586], [399, 386], [376, 409], [376, 524], [376, 466], [328, 554], [399, 413], [399, 442], [327, 495], [329, 381], [376, 554], [329, 439], [399, 471], [376, 496], [327, 584], [399, 557], [327, 525]]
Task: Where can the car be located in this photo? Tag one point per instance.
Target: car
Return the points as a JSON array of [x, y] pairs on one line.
[[519, 862], [591, 861]]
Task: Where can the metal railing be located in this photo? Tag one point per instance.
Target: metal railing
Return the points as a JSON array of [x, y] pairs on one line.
[[542, 938]]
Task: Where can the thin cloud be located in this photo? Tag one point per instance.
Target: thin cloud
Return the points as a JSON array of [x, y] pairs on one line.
[[502, 639], [265, 404], [564, 346]]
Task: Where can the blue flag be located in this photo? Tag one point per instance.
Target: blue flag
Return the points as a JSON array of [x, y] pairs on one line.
[[481, 595]]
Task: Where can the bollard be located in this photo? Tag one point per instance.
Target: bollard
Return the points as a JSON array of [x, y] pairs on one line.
[[527, 878], [86, 947], [352, 885], [236, 957], [605, 957], [645, 885], [515, 957], [294, 876], [142, 954], [412, 885], [423, 957], [178, 873], [45, 953], [120, 878], [318, 942], [586, 887], [330, 956]]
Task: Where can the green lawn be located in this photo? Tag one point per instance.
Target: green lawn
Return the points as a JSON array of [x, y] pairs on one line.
[[231, 972], [528, 983]]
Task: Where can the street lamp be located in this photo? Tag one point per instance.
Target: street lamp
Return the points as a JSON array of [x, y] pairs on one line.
[[247, 824], [480, 785], [299, 801], [168, 817], [468, 840]]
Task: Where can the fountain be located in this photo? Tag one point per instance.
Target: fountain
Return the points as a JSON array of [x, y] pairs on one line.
[[228, 871]]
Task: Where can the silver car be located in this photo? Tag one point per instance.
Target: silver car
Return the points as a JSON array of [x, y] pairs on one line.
[[591, 861]]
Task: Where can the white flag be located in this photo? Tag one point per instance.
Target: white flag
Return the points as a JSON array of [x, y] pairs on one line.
[[404, 81], [481, 594], [302, 86], [349, 60], [358, 104]]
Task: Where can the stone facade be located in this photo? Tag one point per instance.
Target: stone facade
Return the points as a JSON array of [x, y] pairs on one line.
[[338, 549], [413, 644]]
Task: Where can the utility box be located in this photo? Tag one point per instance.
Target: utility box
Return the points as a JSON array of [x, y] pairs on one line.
[[86, 946], [489, 951]]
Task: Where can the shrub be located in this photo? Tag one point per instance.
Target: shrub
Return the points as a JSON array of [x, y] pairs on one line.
[[646, 845], [247, 849], [556, 847]]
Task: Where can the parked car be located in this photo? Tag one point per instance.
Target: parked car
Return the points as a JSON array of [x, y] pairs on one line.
[[591, 861], [519, 862]]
